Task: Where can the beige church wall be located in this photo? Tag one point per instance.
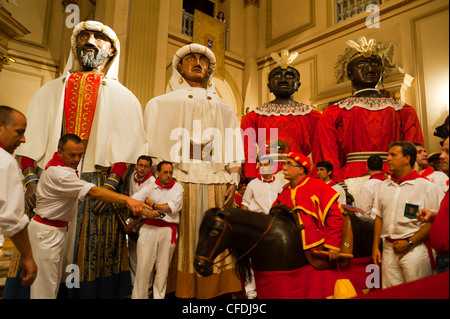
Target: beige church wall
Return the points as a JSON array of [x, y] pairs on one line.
[[431, 70], [41, 55]]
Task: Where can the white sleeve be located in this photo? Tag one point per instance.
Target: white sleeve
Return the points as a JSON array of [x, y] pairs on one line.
[[12, 202], [365, 200], [376, 209], [247, 197], [433, 198], [73, 186], [176, 203], [143, 193]]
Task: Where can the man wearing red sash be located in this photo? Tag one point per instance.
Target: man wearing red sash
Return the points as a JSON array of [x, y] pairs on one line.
[[158, 238], [368, 189], [89, 101], [57, 196], [13, 221], [425, 170], [316, 202], [135, 182], [406, 256], [325, 172]]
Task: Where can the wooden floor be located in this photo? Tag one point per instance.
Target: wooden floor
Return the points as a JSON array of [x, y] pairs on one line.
[[8, 246]]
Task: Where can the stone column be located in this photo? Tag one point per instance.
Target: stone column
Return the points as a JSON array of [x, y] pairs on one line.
[[250, 89]]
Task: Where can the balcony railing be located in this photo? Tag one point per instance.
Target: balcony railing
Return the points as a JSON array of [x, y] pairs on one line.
[[345, 9]]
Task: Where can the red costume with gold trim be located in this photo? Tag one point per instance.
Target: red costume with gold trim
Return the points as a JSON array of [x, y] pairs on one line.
[[361, 124], [80, 100], [319, 212], [295, 125]]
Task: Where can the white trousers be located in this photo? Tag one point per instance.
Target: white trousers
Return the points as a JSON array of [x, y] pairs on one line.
[[154, 251], [47, 244], [412, 266]]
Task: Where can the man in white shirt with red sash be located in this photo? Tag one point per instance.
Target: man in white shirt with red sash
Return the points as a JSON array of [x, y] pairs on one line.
[[13, 221], [141, 177], [368, 189], [405, 256], [158, 237], [425, 170], [324, 172], [259, 196], [262, 191], [57, 196]]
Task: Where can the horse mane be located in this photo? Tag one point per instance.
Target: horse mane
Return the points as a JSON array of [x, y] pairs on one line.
[[282, 210]]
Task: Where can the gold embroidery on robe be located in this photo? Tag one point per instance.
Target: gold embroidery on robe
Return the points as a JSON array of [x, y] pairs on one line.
[[79, 103]]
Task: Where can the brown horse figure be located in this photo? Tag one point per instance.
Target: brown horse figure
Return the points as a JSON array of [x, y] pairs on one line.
[[272, 242]]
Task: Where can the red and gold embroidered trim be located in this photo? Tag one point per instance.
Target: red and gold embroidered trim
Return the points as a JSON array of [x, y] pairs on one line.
[[79, 103]]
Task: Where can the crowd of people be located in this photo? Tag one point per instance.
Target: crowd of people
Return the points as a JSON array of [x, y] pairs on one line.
[[121, 194]]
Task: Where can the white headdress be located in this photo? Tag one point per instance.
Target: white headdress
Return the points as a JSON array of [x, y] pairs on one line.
[[112, 67], [285, 60], [180, 54]]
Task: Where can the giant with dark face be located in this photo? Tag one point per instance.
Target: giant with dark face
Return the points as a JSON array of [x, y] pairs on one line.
[[364, 124], [281, 125], [366, 73]]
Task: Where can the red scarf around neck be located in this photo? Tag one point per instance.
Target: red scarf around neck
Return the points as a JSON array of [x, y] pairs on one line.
[[169, 186], [1, 145], [266, 181], [331, 183], [57, 161], [429, 170], [409, 177], [139, 182], [379, 176]]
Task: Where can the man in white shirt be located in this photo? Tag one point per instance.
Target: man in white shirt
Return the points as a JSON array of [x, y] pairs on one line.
[[425, 170], [57, 195], [13, 221], [141, 177], [324, 172], [368, 189], [259, 196], [405, 257], [157, 237], [261, 192]]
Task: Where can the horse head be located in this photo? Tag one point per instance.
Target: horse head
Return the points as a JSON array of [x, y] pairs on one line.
[[214, 237]]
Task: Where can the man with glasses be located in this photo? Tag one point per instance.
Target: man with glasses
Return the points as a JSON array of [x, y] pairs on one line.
[[316, 204]]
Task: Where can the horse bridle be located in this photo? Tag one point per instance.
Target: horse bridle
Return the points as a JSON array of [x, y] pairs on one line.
[[226, 225]]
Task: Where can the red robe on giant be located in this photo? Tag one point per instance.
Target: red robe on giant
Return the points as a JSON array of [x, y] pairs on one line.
[[293, 124], [360, 124]]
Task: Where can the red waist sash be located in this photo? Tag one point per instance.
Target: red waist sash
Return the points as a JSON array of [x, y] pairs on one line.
[[162, 223], [54, 223]]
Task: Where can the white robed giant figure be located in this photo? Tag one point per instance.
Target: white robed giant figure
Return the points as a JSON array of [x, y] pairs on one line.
[[95, 242], [182, 126]]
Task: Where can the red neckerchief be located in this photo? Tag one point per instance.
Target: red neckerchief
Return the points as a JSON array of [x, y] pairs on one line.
[[1, 146], [139, 182], [331, 183], [266, 181], [169, 186], [429, 170], [57, 161], [379, 176], [409, 177]]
